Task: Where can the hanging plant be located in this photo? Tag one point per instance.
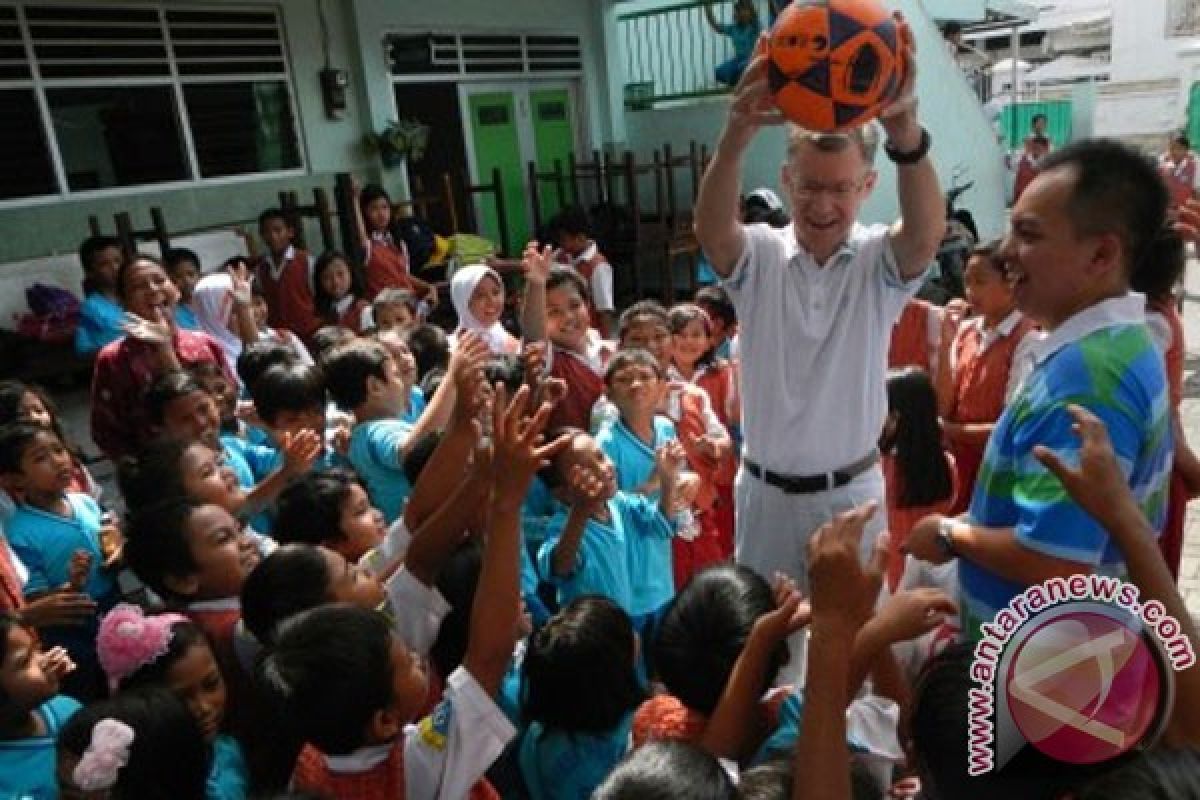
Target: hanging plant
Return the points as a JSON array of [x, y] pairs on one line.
[[400, 140]]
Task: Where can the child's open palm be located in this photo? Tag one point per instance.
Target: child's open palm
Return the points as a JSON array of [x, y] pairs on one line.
[[669, 459], [536, 264], [518, 452], [300, 450]]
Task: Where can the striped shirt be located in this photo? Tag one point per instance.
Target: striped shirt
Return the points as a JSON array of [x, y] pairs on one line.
[[1103, 359]]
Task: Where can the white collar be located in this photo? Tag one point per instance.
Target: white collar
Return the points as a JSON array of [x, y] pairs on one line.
[[1128, 309], [847, 249], [364, 759], [587, 255], [343, 305], [220, 604], [1006, 326], [277, 269]]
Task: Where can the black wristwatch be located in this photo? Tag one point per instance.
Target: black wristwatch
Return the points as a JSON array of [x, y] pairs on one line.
[[913, 156]]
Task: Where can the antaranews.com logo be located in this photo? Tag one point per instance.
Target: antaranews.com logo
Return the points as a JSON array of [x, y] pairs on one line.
[[1077, 667]]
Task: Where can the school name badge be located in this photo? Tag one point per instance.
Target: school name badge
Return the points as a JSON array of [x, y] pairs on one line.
[[1078, 668]]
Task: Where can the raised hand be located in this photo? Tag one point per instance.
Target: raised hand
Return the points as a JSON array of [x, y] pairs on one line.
[[155, 332], [752, 106], [536, 264], [912, 613], [840, 589], [669, 461], [470, 353], [65, 606], [300, 450], [906, 98], [792, 612], [588, 486], [518, 452]]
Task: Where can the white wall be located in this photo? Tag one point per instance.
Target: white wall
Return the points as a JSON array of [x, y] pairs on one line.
[[1137, 113], [951, 112]]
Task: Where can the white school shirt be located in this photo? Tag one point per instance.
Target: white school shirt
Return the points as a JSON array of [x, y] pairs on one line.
[[813, 345]]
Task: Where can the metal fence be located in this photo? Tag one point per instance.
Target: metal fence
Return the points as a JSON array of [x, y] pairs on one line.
[[671, 53]]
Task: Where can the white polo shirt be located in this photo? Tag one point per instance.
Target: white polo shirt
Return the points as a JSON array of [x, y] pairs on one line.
[[813, 346]]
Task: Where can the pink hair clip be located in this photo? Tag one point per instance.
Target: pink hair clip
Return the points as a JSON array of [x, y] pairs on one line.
[[105, 755], [129, 640]]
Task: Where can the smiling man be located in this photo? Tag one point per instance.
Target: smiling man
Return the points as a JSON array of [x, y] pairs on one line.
[[816, 302], [1092, 218]]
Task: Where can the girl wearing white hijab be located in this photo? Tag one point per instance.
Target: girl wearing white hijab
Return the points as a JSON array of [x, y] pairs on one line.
[[222, 305], [478, 296]]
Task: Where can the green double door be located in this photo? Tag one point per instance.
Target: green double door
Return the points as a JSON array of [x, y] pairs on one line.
[[508, 126]]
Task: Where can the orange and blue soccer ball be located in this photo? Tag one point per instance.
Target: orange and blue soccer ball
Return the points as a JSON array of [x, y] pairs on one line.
[[834, 64]]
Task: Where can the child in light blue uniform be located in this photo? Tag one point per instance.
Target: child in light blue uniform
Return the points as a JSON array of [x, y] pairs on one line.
[[101, 315], [597, 546], [29, 701], [183, 268], [56, 535]]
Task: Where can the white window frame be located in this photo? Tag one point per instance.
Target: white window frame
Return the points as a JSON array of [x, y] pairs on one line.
[[173, 80]]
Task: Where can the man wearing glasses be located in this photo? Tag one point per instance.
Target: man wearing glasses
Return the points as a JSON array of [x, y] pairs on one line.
[[816, 303]]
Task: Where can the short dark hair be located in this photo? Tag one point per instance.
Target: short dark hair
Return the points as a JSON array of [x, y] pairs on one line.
[[630, 356], [1180, 137], [168, 758], [1161, 773], [15, 439], [329, 337], [573, 221], [168, 387], [321, 300], [716, 301], [310, 509], [153, 474], [157, 544], [331, 669], [430, 348], [275, 213], [347, 369], [1038, 116], [561, 276], [9, 621], [589, 642], [184, 635], [642, 309], [704, 629], [91, 247], [667, 771], [257, 358], [1117, 189], [288, 387], [369, 194], [179, 255], [294, 578]]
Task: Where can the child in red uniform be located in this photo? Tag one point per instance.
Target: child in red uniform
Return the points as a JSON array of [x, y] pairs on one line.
[[915, 337], [338, 292], [284, 276], [578, 250], [386, 259], [695, 361], [981, 366]]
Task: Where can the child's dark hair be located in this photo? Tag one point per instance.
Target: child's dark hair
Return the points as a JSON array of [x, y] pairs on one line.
[[348, 368], [1163, 773], [989, 252], [573, 221], [176, 256], [91, 247], [1168, 254], [430, 348], [684, 314], [12, 395], [369, 194], [168, 758], [327, 339], [156, 544], [717, 303], [275, 213], [331, 670], [550, 474], [561, 276], [288, 387], [321, 299], [310, 509], [126, 269], [642, 309], [153, 474], [507, 369], [457, 582], [185, 634], [168, 387], [588, 644], [627, 357], [419, 454], [15, 439], [704, 630], [294, 578], [259, 357], [667, 770], [917, 439]]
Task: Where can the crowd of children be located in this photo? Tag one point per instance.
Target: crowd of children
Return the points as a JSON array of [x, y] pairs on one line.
[[363, 557]]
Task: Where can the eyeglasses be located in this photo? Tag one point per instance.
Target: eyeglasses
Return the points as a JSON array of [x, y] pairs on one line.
[[807, 190]]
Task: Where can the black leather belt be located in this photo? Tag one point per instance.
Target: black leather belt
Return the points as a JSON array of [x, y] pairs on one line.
[[810, 484]]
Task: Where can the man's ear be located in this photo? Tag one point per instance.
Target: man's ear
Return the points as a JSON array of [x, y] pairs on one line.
[[1106, 255], [183, 585]]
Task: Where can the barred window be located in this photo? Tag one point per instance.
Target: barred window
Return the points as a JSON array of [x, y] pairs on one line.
[[1183, 18]]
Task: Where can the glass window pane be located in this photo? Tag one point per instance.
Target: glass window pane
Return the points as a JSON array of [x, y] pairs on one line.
[[25, 168], [240, 128], [117, 136]]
